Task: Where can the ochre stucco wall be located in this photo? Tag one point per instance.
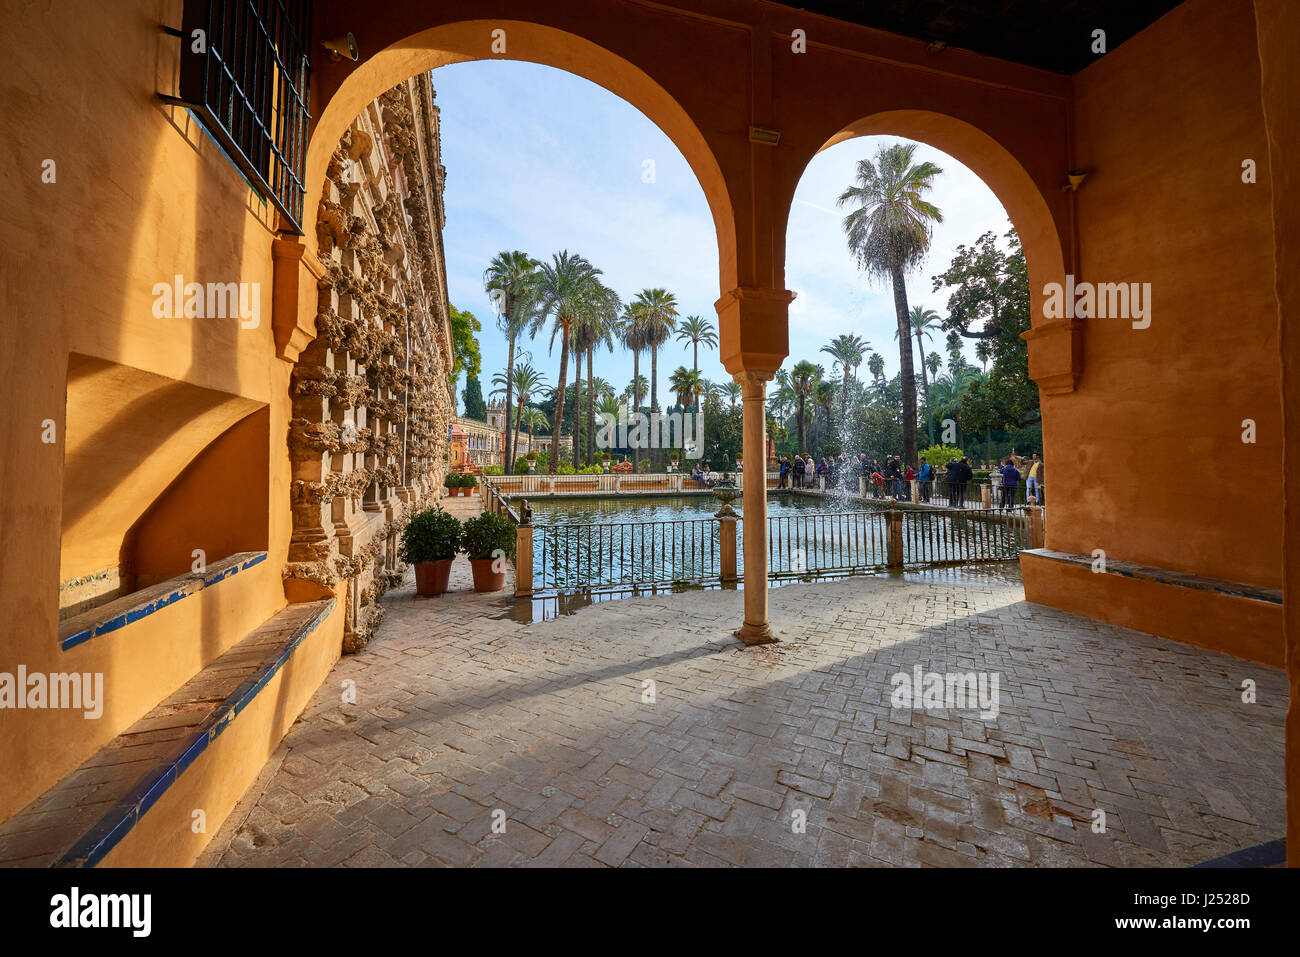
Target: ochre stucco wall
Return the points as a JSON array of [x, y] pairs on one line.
[[218, 505], [140, 196], [1145, 460], [1277, 26]]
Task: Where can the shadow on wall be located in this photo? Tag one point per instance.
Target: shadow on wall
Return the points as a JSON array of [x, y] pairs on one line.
[[154, 469]]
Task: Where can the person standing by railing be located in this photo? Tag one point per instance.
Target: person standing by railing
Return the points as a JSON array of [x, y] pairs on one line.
[[925, 474], [1034, 483], [784, 467], [894, 472], [967, 473], [1010, 482]]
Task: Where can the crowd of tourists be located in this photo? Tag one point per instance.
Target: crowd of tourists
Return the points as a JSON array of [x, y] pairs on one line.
[[893, 479]]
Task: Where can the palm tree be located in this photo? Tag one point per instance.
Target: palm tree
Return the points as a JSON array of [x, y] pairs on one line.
[[825, 395], [983, 352], [535, 418], [636, 391], [525, 382], [876, 366], [598, 328], [658, 309], [685, 384], [511, 280], [733, 391], [782, 395], [569, 290], [803, 379], [633, 327], [889, 233], [934, 362], [922, 320], [848, 352], [695, 331]]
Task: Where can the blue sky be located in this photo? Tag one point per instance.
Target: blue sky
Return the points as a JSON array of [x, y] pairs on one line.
[[540, 160]]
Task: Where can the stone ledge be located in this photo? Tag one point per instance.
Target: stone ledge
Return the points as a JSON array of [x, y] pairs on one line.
[[1164, 576], [83, 817], [141, 604]]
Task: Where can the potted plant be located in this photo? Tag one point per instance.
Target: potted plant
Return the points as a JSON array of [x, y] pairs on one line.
[[451, 481], [532, 462], [488, 540], [429, 542], [470, 482]]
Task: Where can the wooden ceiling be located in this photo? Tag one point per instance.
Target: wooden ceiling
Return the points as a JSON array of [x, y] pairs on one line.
[[1050, 34]]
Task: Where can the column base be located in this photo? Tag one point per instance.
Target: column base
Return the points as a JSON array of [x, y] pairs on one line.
[[756, 634]]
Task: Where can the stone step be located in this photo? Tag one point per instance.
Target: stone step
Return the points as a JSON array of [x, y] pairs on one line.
[[83, 817]]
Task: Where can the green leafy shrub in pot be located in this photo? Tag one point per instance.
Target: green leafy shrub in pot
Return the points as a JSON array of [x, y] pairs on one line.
[[482, 537], [430, 536], [469, 480], [488, 539], [451, 479]]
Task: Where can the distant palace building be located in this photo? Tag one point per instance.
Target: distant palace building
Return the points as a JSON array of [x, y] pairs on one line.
[[475, 443]]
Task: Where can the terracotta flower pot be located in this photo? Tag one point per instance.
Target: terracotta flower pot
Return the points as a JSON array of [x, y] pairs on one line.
[[485, 579], [431, 577]]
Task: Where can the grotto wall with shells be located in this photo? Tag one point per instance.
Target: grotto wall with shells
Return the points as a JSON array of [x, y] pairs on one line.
[[372, 404]]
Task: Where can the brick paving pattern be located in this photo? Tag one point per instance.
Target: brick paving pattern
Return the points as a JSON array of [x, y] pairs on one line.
[[463, 711]]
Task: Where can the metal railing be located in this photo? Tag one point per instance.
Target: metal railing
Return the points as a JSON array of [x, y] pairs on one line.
[[248, 83], [966, 535], [826, 542], [560, 557], [625, 554]]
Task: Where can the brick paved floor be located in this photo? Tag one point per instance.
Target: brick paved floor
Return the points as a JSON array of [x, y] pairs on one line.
[[463, 711]]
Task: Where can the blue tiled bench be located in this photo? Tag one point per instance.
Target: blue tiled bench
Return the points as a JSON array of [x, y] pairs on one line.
[[1164, 576], [130, 608], [84, 816]]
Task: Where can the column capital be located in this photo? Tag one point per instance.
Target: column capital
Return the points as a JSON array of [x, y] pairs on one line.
[[753, 326], [752, 377]]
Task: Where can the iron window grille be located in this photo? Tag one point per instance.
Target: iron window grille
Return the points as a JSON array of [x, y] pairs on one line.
[[246, 82]]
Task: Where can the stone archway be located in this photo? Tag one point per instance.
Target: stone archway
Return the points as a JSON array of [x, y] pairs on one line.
[[469, 40], [1055, 346]]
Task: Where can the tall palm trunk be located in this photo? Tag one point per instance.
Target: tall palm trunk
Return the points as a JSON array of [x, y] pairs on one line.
[[636, 406], [844, 400], [802, 447], [906, 372], [925, 382], [654, 378], [577, 408], [591, 409], [508, 463], [519, 421], [695, 364], [559, 396]]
